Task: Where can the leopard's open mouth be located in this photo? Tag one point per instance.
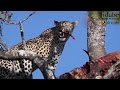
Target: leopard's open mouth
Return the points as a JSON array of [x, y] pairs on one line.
[[65, 35]]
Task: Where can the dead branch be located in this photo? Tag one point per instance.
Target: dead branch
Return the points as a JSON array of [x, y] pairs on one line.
[[17, 54], [22, 54], [21, 29], [27, 55], [1, 29], [2, 44], [14, 22], [22, 35], [8, 21], [28, 16]]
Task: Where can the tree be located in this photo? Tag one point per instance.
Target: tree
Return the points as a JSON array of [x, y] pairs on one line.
[[96, 35], [101, 64]]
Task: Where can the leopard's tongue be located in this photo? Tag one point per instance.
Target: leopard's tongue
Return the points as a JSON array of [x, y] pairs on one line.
[[72, 36]]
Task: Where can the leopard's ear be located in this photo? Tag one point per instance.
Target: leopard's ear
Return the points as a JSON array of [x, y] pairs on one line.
[[75, 23], [56, 23]]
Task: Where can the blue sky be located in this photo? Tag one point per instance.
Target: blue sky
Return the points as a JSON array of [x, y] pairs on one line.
[[73, 55]]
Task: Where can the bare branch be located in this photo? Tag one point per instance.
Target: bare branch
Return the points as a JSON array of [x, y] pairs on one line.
[[21, 29], [8, 21], [21, 54], [28, 16], [22, 35], [1, 29], [3, 45], [14, 22], [17, 54]]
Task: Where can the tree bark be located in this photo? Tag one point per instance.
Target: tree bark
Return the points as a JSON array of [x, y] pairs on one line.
[[22, 54], [96, 36], [28, 55]]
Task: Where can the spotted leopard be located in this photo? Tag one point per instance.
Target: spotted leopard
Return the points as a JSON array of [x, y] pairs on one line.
[[49, 45]]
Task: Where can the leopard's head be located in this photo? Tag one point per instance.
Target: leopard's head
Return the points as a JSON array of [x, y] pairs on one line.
[[65, 29]]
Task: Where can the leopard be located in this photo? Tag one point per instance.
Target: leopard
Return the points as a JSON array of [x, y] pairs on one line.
[[49, 45]]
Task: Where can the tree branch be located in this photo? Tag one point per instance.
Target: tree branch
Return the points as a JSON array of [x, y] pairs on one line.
[[17, 54], [3, 45], [22, 54], [7, 20], [28, 16], [28, 55], [22, 35]]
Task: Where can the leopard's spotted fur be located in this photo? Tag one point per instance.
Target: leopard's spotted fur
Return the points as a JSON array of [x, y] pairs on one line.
[[49, 45]]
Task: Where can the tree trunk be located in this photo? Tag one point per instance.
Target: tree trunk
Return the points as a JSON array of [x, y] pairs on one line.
[[96, 36]]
